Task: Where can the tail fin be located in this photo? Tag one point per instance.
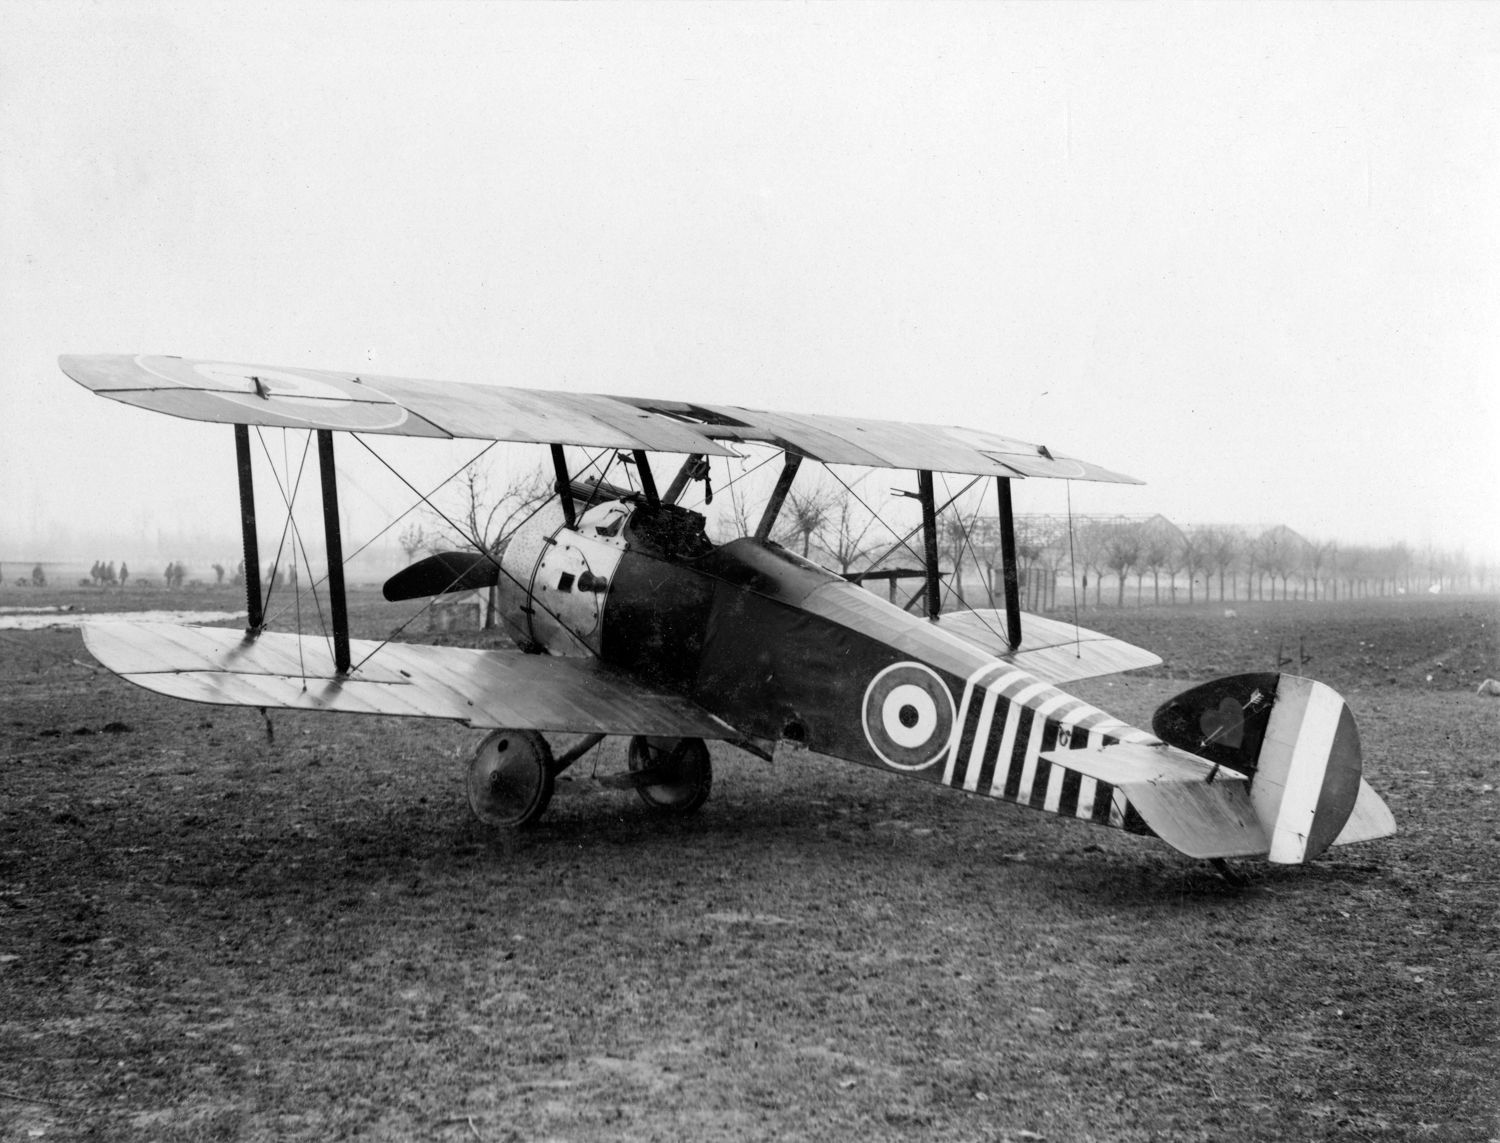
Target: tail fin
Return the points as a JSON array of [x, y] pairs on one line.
[[1293, 737]]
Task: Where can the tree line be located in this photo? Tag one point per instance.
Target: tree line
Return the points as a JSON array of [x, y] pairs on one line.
[[1120, 560]]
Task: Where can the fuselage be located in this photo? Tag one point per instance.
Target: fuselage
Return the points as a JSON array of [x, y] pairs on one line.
[[787, 652]]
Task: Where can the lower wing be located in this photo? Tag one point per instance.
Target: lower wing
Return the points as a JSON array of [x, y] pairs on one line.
[[480, 688]]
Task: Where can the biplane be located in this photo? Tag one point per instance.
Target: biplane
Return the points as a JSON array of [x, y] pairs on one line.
[[629, 621]]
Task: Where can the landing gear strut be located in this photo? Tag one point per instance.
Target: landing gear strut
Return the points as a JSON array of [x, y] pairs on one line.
[[670, 774], [510, 778]]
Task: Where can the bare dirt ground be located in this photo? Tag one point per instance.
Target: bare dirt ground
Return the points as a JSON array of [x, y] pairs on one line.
[[206, 934]]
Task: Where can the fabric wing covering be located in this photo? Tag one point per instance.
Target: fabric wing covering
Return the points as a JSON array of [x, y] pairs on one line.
[[319, 399], [482, 689], [1052, 650]]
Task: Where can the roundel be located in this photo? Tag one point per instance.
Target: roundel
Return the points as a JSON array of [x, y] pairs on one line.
[[908, 715], [329, 401]]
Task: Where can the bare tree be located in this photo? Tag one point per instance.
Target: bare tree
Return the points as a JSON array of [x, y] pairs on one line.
[[1194, 559], [1279, 552], [486, 513], [1090, 541], [1222, 547], [1122, 551], [1318, 557], [735, 515], [807, 516], [844, 534], [1161, 541], [1041, 548], [414, 539]]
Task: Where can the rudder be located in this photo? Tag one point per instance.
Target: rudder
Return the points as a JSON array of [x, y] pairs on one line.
[[1293, 737]]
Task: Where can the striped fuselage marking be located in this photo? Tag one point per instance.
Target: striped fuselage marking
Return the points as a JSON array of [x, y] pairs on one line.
[[1007, 719]]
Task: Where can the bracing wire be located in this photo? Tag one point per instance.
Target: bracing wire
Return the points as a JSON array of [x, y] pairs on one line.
[[901, 541], [420, 500], [298, 544], [473, 540], [297, 535], [290, 524], [965, 533], [1073, 576]]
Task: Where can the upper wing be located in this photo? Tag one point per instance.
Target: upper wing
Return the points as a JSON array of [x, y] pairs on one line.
[[1052, 650], [318, 399], [480, 688]]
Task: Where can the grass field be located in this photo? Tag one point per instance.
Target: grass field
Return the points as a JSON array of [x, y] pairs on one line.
[[208, 932]]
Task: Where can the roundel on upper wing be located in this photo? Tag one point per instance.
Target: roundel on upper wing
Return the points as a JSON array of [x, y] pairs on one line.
[[328, 401], [908, 716]]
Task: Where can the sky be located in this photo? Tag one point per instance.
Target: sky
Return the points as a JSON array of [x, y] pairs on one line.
[[1249, 253]]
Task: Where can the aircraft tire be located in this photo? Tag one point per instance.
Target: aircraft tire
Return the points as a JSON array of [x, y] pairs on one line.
[[509, 782], [691, 771]]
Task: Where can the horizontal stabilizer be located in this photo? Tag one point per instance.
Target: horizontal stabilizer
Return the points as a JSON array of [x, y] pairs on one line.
[[442, 573], [1170, 789], [482, 688], [1053, 651]]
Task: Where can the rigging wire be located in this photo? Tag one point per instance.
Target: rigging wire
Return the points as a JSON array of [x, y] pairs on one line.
[[396, 520], [290, 524], [613, 455], [1073, 576], [901, 541], [473, 540], [967, 542], [297, 538], [298, 544], [421, 500], [291, 515]]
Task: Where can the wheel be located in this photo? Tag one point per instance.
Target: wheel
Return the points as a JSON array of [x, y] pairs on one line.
[[686, 772], [510, 778]]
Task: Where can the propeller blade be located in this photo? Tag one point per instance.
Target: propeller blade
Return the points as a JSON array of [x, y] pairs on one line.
[[443, 572]]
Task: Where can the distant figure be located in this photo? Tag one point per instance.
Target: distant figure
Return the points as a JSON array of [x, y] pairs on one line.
[[38, 577], [124, 574]]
